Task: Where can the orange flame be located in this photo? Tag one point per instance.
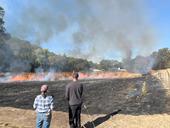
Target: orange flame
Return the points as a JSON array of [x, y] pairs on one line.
[[67, 75]]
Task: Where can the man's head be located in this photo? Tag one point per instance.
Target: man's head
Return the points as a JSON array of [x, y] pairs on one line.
[[44, 88], [75, 75]]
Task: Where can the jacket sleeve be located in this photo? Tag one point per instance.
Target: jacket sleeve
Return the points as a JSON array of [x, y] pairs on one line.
[[81, 89], [67, 93]]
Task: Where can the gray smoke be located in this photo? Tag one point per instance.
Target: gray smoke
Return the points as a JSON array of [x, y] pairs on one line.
[[14, 52], [102, 26], [40, 24], [115, 25]]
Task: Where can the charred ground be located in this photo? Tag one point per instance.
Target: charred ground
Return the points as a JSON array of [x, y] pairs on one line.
[[135, 96]]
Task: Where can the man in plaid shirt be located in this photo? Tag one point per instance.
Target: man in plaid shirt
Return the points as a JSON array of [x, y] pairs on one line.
[[43, 105]]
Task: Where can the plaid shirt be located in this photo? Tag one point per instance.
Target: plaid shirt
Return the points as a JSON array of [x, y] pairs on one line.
[[43, 104]]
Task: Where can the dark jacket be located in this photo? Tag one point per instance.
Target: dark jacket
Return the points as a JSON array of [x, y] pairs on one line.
[[74, 91]]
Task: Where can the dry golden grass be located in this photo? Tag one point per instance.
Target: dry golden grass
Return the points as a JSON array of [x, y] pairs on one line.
[[19, 118]]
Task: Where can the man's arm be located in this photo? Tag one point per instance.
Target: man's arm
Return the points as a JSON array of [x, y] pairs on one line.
[[35, 103], [52, 103], [67, 93], [81, 89]]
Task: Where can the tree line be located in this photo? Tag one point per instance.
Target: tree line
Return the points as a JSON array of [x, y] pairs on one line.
[[18, 55]]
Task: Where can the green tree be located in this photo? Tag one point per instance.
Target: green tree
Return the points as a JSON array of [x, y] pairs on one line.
[[41, 56], [2, 28], [110, 64], [162, 58]]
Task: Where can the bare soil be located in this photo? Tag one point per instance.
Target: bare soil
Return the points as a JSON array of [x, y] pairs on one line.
[[19, 118]]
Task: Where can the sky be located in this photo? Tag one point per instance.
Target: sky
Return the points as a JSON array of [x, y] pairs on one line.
[[159, 12], [109, 29]]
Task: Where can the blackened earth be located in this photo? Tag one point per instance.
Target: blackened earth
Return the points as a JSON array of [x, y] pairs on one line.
[[133, 96]]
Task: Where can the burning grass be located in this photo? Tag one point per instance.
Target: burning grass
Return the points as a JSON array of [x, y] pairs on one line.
[[46, 76], [53, 76]]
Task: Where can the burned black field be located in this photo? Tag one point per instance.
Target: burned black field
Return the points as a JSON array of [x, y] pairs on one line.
[[133, 96]]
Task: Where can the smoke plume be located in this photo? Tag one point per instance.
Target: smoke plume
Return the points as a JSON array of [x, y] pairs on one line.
[[102, 27]]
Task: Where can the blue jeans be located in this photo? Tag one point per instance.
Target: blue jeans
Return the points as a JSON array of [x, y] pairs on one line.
[[43, 120]]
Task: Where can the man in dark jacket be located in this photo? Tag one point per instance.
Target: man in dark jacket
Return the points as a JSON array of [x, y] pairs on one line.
[[74, 91]]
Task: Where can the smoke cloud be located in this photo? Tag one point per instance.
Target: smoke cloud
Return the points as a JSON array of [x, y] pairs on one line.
[[101, 26]]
